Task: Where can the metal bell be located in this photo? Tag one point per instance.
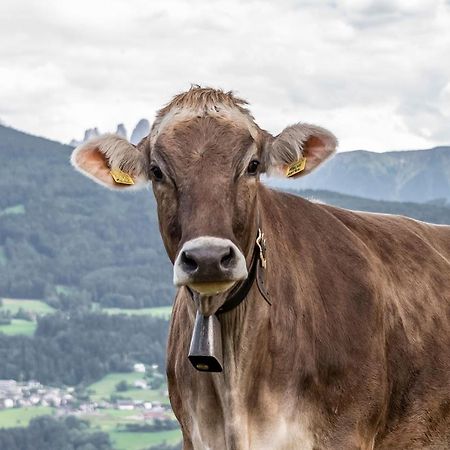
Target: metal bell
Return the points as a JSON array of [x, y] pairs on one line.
[[205, 352]]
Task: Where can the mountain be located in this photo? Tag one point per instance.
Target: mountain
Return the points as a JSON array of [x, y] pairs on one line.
[[90, 133], [66, 239], [121, 130], [413, 176], [141, 130]]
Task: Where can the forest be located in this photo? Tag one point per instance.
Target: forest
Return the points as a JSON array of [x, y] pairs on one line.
[[82, 347]]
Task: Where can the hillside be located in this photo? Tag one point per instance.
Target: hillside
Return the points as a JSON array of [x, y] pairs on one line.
[[61, 236], [70, 241], [413, 176]]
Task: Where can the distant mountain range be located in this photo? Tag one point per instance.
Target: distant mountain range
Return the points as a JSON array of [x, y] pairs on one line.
[[413, 176], [141, 130]]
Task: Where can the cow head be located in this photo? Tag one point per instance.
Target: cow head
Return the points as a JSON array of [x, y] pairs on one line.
[[204, 157]]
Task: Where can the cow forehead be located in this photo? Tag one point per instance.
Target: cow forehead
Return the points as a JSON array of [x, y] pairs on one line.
[[179, 114], [204, 143]]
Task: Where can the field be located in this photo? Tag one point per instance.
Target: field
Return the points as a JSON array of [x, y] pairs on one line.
[[102, 390], [107, 385], [138, 441], [17, 209], [32, 306], [158, 311], [19, 326], [108, 420], [20, 417]]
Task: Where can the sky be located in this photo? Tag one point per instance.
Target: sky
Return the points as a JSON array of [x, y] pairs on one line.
[[376, 73]]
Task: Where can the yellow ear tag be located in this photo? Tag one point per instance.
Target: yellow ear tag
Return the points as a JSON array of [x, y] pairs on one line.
[[296, 168], [121, 177]]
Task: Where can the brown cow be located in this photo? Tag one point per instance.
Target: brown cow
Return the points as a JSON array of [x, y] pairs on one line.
[[342, 342]]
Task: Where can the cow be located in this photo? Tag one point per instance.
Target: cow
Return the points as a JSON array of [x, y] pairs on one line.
[[333, 325]]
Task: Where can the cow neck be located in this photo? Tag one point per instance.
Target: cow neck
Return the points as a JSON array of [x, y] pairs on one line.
[[256, 271]]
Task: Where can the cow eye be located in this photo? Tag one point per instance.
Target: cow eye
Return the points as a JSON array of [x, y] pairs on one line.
[[157, 173], [252, 168]]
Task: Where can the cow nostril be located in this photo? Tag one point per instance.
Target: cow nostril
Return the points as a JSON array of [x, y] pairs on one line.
[[188, 262], [227, 259]]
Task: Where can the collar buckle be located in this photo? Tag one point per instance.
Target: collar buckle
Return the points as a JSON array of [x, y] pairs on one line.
[[261, 243]]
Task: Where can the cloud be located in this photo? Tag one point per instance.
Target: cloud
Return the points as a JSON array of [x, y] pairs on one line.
[[374, 72]]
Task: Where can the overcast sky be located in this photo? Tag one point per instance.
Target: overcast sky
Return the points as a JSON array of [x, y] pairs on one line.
[[376, 73]]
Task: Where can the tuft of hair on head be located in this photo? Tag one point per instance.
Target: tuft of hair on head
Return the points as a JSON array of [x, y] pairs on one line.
[[204, 99], [202, 102]]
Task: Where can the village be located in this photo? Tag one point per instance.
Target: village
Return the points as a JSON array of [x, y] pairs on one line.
[[73, 401]]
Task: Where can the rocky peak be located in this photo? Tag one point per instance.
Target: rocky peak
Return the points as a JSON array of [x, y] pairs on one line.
[[141, 130]]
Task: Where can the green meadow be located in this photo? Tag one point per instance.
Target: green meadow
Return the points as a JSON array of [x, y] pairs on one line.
[[19, 326], [140, 441], [20, 417], [103, 389], [157, 311], [111, 421], [32, 306], [16, 209]]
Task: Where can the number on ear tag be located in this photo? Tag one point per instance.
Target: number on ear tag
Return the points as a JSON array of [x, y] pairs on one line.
[[121, 177], [296, 168]]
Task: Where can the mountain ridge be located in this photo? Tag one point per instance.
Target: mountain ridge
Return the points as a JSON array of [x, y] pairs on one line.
[[399, 175]]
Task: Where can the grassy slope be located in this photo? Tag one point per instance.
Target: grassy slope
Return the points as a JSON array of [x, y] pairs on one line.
[[140, 441], [19, 326], [157, 311], [108, 420], [20, 417], [107, 385], [33, 306], [16, 209], [104, 388]]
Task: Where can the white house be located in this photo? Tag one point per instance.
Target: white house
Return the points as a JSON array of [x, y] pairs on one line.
[[8, 403], [139, 367]]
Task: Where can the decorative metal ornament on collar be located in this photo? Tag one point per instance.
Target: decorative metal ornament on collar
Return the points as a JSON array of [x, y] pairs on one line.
[[205, 352], [261, 243]]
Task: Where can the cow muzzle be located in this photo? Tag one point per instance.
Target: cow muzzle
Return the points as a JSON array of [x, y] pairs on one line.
[[209, 265]]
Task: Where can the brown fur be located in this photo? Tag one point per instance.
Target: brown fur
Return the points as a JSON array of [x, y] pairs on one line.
[[358, 330], [354, 351]]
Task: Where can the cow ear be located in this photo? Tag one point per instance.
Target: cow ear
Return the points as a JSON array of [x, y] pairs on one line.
[[101, 158], [299, 149]]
